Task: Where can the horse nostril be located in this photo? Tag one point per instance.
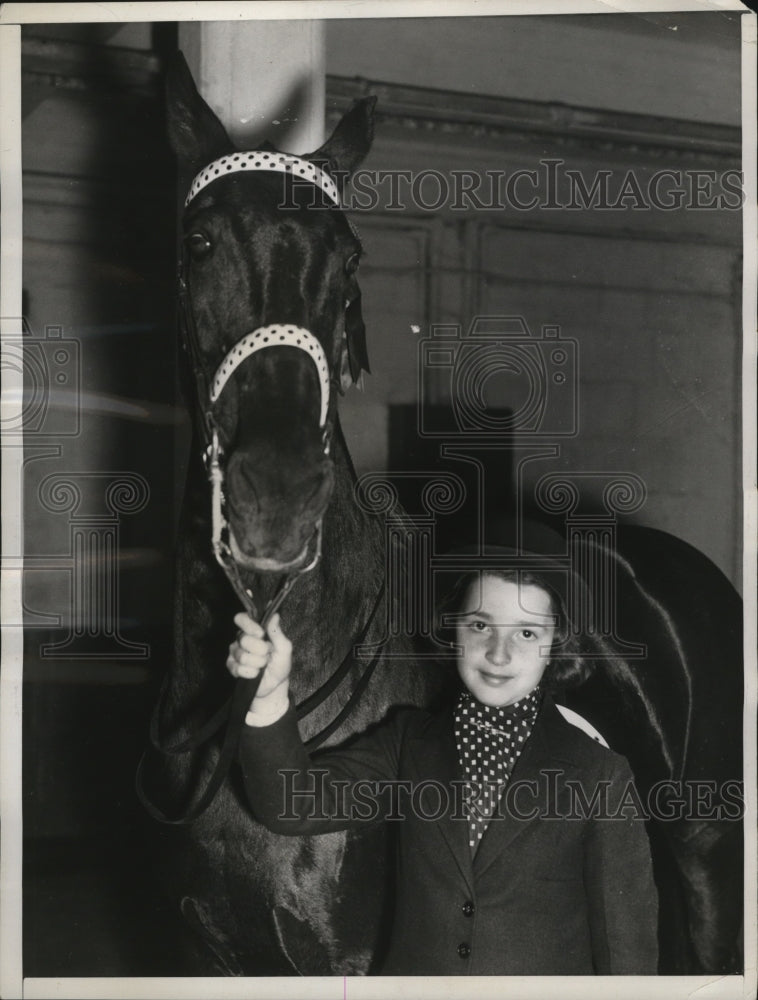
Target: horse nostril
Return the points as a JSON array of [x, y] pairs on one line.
[[250, 490], [242, 473], [316, 500], [242, 492]]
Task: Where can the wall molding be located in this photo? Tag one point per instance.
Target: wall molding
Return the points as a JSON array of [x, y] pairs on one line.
[[422, 110], [51, 65], [54, 65]]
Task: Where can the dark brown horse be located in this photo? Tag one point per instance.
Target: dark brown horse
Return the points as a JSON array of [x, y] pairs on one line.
[[676, 714], [268, 253]]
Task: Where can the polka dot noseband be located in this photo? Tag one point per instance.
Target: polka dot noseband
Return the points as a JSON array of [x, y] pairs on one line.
[[277, 335], [280, 163]]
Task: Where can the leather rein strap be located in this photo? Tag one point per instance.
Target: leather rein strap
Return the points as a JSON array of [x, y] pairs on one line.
[[232, 713]]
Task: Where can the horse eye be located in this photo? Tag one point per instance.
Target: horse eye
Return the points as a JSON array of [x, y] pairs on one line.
[[198, 244], [351, 264]]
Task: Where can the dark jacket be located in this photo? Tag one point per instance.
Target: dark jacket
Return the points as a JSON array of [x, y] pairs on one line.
[[553, 889]]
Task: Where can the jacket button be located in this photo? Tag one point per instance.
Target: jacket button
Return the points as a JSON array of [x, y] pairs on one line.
[[464, 950], [468, 908]]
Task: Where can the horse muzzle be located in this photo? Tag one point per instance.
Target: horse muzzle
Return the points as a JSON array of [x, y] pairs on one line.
[[274, 515], [266, 564]]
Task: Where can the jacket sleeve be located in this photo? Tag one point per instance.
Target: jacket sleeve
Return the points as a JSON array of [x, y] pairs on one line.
[[618, 875], [337, 789]]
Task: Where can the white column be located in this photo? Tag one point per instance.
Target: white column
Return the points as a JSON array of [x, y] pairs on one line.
[[264, 79]]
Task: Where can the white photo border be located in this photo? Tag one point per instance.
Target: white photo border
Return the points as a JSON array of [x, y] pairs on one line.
[[12, 983]]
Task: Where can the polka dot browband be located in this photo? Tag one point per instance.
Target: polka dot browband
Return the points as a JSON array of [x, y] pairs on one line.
[[275, 336], [280, 163]]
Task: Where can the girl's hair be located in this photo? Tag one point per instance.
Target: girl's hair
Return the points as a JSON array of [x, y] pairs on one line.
[[568, 667]]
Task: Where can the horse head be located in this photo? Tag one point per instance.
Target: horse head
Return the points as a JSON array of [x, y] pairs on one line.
[[272, 319]]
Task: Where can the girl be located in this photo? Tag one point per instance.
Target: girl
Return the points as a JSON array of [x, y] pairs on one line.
[[518, 853]]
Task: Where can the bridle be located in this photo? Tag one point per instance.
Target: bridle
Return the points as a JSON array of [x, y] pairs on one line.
[[208, 391], [275, 335]]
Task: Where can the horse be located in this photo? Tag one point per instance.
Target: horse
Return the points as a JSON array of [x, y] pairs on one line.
[[676, 715], [268, 253], [255, 270]]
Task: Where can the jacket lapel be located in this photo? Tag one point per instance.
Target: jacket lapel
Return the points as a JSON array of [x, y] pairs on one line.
[[434, 756], [542, 752]]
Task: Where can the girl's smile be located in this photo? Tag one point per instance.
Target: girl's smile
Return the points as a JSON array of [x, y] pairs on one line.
[[505, 632], [494, 679]]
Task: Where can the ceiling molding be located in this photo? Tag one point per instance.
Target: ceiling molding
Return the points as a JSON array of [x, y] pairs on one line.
[[54, 64], [480, 116]]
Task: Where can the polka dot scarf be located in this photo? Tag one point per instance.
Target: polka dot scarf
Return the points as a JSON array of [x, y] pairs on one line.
[[490, 741]]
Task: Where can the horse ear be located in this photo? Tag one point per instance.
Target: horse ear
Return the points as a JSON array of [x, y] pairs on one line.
[[350, 142], [195, 133]]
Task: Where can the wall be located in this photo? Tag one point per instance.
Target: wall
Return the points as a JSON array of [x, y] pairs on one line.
[[651, 296], [674, 65]]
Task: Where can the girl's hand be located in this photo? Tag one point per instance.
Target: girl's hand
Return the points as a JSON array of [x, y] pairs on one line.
[[251, 652]]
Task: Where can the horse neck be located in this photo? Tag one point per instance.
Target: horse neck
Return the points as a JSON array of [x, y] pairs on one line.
[[352, 534], [330, 606]]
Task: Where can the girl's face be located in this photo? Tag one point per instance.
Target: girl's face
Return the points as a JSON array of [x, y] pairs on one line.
[[505, 632]]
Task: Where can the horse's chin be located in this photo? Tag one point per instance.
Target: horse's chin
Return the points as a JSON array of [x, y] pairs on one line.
[[263, 564]]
